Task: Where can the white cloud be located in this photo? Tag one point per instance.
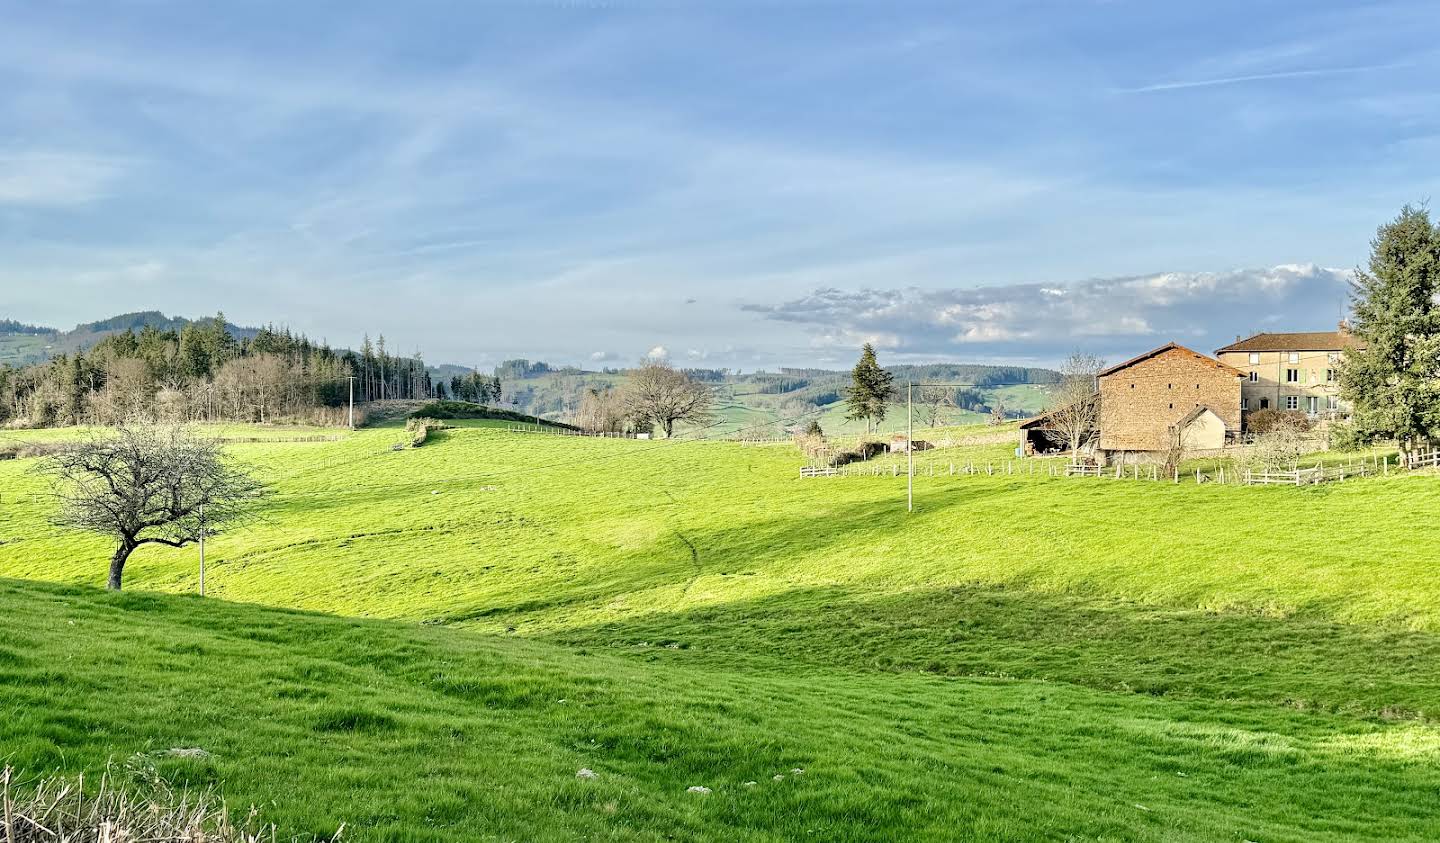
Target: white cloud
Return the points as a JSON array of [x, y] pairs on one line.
[[659, 352], [1111, 315]]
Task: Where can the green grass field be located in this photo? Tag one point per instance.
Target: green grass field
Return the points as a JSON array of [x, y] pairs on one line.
[[22, 349], [429, 643]]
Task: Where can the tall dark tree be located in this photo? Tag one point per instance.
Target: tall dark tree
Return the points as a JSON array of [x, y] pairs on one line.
[[1392, 376], [870, 391]]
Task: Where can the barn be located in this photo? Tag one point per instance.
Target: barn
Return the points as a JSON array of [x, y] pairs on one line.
[[1167, 395]]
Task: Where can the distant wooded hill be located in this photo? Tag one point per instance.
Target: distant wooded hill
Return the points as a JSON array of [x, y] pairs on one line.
[[22, 344], [767, 402]]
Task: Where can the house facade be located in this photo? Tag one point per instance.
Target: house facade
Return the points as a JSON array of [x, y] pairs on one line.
[[1168, 395], [1299, 371]]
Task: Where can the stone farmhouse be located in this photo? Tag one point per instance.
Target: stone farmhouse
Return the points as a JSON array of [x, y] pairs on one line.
[[1291, 371], [1169, 395]]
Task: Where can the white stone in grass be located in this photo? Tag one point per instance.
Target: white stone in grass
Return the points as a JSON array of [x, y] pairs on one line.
[[750, 784], [187, 752], [778, 777], [585, 773], [797, 771], [1141, 807], [699, 788]]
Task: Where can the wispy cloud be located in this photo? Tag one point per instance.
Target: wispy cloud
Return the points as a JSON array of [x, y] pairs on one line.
[[1256, 77]]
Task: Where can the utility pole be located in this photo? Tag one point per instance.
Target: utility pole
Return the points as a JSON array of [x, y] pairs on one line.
[[910, 446], [202, 550], [351, 379]]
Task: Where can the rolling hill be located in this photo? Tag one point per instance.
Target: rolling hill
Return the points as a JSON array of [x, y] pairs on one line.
[[23, 347], [430, 643]]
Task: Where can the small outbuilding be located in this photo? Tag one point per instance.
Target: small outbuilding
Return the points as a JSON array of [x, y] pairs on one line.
[[1043, 434], [900, 444]]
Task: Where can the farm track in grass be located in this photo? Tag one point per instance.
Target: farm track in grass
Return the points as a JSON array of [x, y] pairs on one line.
[[1024, 657]]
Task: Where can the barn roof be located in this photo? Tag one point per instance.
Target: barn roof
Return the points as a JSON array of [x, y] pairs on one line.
[[1304, 341], [1222, 367]]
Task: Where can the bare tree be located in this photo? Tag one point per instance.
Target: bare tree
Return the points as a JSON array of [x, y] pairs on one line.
[[1075, 412], [601, 410], [1280, 446], [933, 400], [149, 484], [997, 412], [658, 393]]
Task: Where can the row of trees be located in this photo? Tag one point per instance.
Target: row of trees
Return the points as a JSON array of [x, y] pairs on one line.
[[204, 372], [473, 387]]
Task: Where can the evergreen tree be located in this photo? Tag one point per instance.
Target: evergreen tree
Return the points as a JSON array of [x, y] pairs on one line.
[[870, 391], [1391, 380]]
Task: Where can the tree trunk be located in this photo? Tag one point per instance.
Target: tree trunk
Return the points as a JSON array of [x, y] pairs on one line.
[[669, 428], [117, 564]]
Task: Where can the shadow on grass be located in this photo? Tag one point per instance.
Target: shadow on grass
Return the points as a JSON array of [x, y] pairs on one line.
[[689, 551], [1301, 662]]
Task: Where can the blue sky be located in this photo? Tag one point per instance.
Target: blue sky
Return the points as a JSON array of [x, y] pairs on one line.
[[739, 183]]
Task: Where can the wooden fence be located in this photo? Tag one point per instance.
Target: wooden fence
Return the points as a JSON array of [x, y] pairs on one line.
[[245, 440], [1424, 459], [1222, 473], [563, 431]]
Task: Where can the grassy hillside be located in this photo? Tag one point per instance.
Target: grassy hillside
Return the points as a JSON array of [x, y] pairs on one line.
[[17, 349], [1022, 657]]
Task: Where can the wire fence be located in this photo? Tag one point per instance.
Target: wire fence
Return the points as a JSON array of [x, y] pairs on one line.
[[1218, 473]]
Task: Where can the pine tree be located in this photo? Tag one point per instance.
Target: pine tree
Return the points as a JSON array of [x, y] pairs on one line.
[[871, 390], [1391, 380]]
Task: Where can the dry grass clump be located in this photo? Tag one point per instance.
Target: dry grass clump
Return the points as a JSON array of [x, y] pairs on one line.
[[131, 805], [419, 429]]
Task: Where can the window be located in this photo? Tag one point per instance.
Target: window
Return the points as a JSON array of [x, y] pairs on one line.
[[1254, 377], [1244, 403], [1264, 403], [1334, 357], [1294, 357], [1312, 405], [1332, 403], [1172, 405], [1292, 402], [1292, 375], [1329, 375]]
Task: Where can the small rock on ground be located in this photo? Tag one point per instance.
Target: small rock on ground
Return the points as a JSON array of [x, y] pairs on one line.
[[697, 789]]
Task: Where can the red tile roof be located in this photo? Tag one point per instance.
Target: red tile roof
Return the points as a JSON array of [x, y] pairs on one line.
[[1306, 341], [1228, 369]]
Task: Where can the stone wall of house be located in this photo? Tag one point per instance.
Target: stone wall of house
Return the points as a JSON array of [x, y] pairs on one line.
[[1140, 403]]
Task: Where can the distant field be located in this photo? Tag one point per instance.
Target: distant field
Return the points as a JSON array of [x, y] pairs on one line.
[[19, 349], [1024, 657]]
